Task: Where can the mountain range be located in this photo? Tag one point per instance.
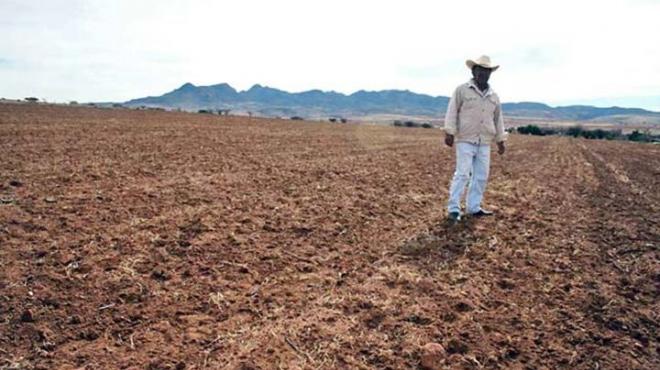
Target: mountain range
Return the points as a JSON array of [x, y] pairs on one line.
[[268, 101]]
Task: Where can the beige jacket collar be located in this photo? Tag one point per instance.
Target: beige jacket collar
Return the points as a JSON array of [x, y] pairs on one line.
[[473, 85]]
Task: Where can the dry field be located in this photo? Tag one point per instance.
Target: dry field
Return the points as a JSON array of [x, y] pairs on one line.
[[155, 240]]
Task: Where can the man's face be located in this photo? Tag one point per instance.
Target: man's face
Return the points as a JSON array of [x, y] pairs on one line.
[[481, 74]]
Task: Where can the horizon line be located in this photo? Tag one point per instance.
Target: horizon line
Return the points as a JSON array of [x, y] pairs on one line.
[[401, 90]]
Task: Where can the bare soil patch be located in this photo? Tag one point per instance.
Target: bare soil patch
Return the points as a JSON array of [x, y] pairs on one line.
[[155, 240]]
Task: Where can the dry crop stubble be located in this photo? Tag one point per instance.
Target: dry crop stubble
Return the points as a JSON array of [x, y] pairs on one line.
[[178, 240]]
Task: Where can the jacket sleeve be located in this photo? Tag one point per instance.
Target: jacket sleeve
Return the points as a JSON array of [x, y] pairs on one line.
[[451, 118], [500, 135]]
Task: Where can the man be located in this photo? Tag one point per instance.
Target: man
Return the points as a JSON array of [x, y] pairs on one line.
[[473, 121]]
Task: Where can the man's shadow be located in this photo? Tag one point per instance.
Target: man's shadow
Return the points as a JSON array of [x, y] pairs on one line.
[[440, 245]]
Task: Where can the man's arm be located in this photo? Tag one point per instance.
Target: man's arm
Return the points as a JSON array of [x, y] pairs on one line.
[[451, 118], [500, 135]]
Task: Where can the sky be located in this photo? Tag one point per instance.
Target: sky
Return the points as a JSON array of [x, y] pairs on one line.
[[596, 52]]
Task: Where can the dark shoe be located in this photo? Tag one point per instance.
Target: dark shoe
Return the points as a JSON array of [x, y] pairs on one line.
[[481, 213], [454, 216]]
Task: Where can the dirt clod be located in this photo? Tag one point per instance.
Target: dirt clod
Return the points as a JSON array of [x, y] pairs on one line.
[[463, 307], [457, 346], [160, 275], [27, 316], [432, 356]]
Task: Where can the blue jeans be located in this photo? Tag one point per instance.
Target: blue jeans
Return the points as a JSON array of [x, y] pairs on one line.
[[472, 164]]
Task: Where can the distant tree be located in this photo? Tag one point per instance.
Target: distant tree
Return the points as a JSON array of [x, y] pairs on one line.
[[333, 120], [613, 134], [205, 111], [578, 131], [73, 102], [549, 131], [296, 118], [398, 123], [575, 131], [343, 120], [31, 99], [605, 134], [599, 134], [639, 136], [530, 130], [427, 125], [117, 105]]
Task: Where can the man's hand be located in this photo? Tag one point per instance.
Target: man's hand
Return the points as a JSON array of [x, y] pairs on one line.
[[449, 140], [500, 148]]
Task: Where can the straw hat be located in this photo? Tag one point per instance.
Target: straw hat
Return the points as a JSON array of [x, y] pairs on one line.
[[483, 61]]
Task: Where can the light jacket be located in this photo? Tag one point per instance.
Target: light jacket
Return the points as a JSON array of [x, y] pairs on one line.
[[473, 116]]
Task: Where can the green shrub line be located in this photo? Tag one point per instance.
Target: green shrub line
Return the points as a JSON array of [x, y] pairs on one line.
[[398, 123], [579, 131]]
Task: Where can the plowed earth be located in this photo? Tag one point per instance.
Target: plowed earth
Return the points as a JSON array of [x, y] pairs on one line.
[[133, 239]]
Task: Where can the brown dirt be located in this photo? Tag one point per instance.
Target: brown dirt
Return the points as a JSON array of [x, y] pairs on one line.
[[157, 240]]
